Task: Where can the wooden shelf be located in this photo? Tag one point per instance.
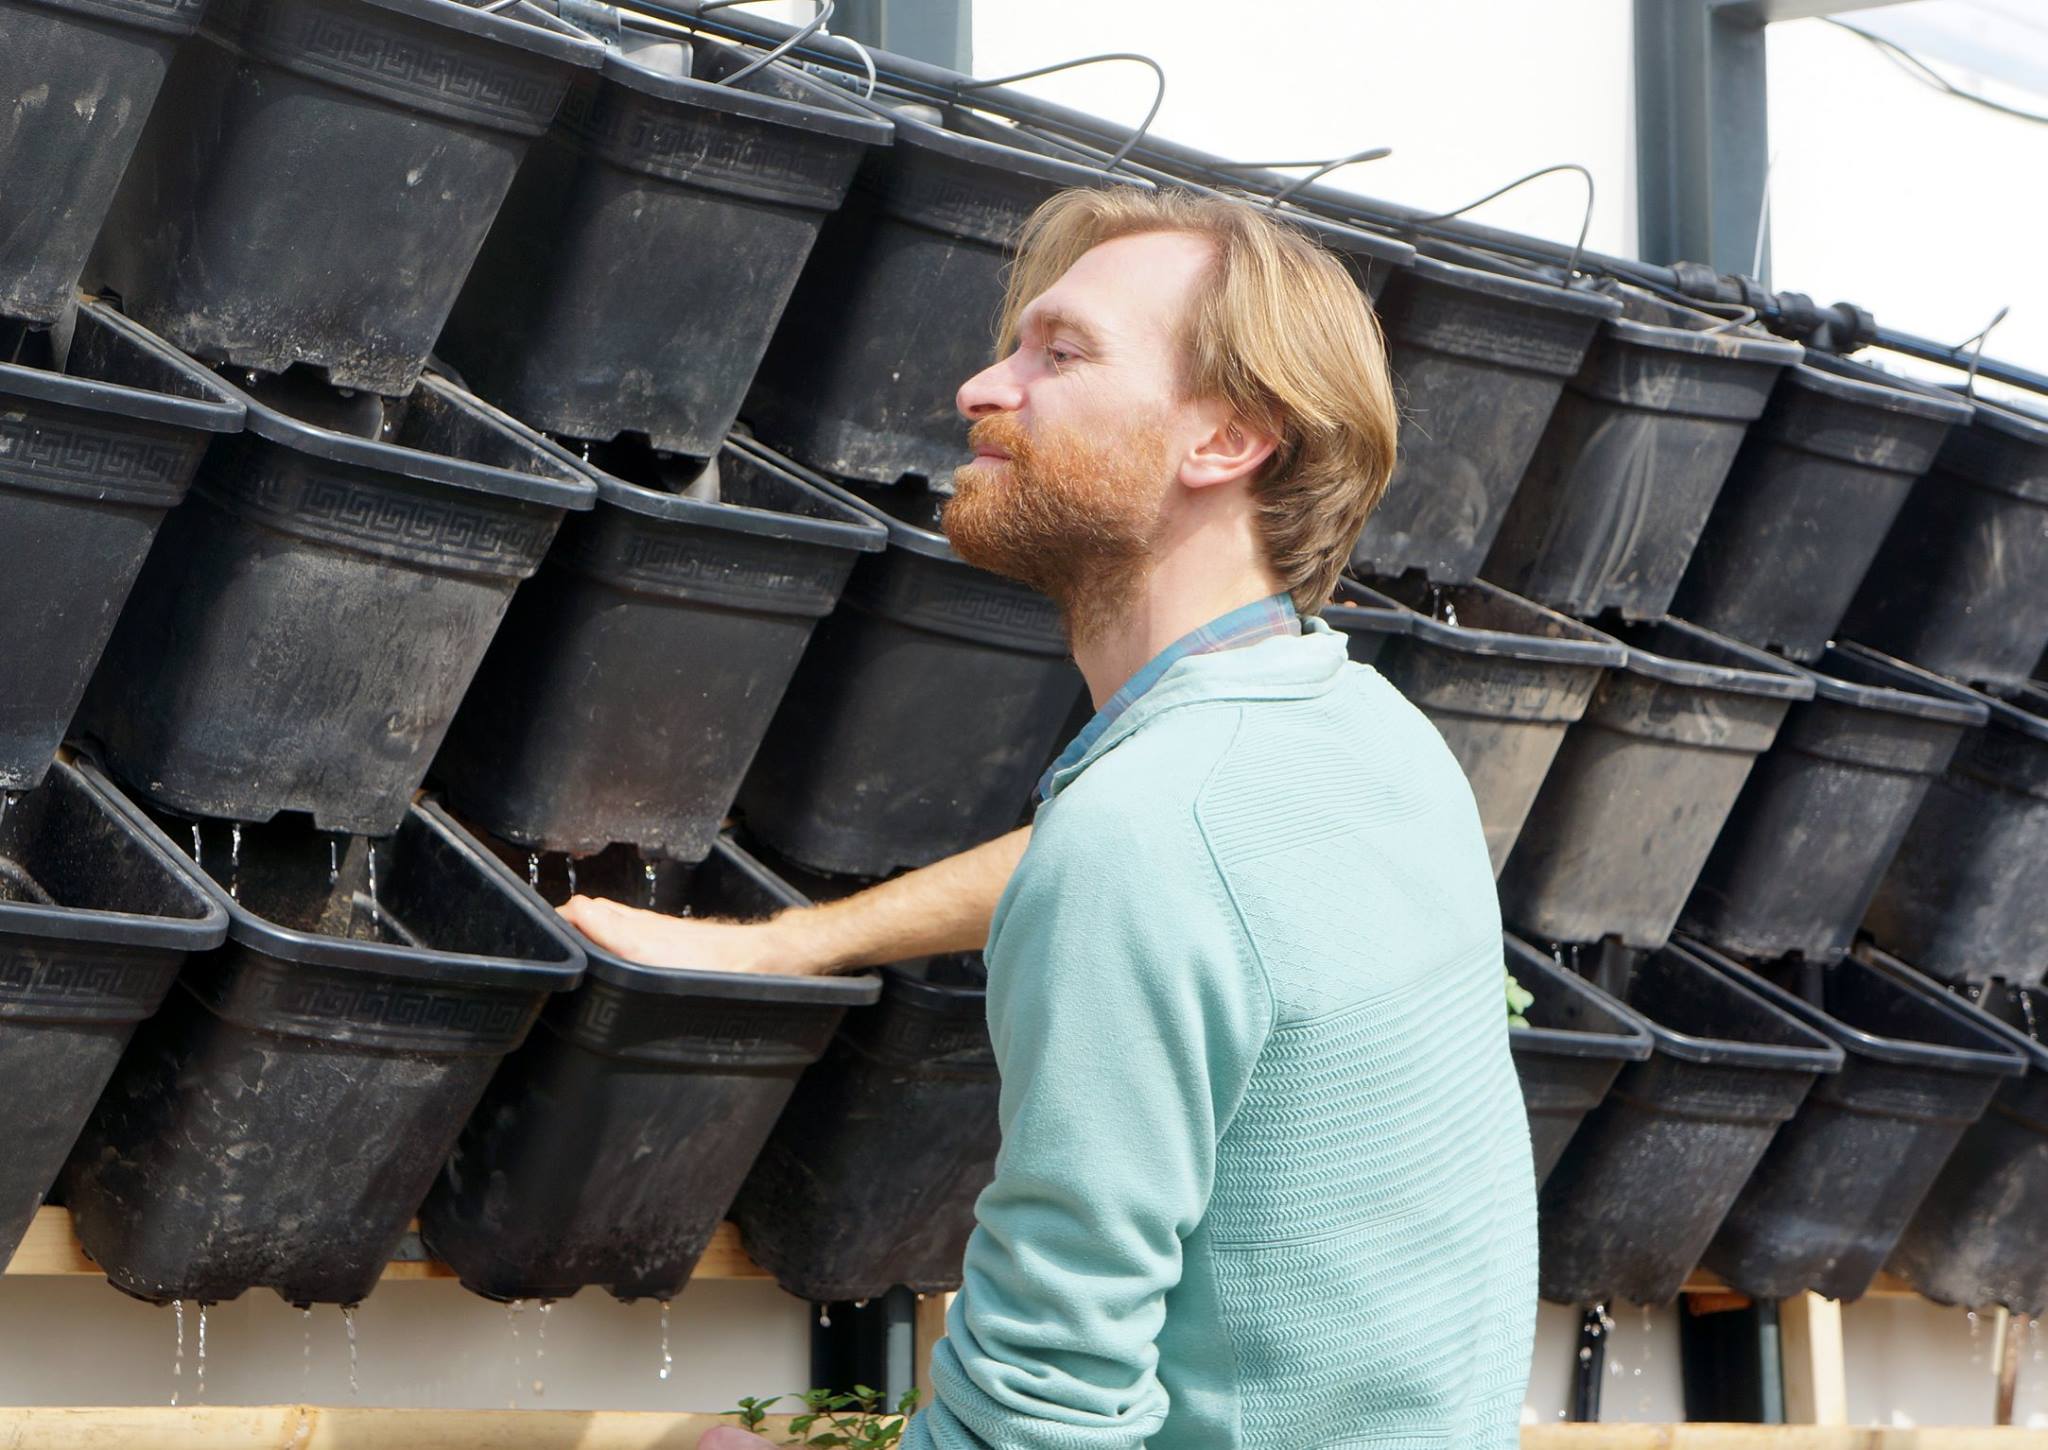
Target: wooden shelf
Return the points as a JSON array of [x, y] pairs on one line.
[[308, 1427], [52, 1248], [1886, 1286]]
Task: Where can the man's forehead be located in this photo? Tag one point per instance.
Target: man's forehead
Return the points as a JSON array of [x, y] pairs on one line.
[[1124, 284]]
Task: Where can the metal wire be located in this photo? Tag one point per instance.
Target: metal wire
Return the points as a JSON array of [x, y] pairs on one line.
[[1979, 337], [1322, 169], [788, 43], [1571, 265], [1927, 75], [1158, 94]]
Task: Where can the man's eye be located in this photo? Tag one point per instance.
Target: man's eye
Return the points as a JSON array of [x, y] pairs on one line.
[[1057, 355]]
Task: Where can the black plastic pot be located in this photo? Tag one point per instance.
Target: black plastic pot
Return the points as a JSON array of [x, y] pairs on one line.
[[1577, 1040], [1976, 1239], [896, 308], [1817, 483], [1964, 896], [1366, 618], [870, 1176], [1639, 789], [637, 671], [95, 919], [1635, 454], [322, 173], [1841, 1179], [80, 77], [921, 715], [309, 618], [718, 191], [1502, 680], [1372, 258], [1479, 360], [93, 453], [1827, 805], [280, 1120], [609, 1146], [1648, 1177], [1956, 586]]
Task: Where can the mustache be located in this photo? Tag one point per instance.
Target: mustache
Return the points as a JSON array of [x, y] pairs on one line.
[[1003, 432]]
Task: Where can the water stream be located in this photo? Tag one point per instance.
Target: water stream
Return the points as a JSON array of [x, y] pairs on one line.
[[668, 1360]]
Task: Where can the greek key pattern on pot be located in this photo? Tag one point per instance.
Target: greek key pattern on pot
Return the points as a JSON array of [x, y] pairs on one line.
[[707, 147], [316, 37], [116, 465]]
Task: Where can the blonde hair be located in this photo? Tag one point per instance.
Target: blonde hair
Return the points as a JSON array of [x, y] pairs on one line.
[[1281, 333]]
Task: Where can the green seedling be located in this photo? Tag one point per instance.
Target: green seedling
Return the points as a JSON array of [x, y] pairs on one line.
[[855, 1421]]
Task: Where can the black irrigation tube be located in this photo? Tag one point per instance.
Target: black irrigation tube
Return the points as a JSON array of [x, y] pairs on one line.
[[1852, 326]]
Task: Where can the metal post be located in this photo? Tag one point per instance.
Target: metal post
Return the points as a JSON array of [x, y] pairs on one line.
[[938, 31]]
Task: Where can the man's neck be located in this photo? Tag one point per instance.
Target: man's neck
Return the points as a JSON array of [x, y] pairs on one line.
[[1175, 598]]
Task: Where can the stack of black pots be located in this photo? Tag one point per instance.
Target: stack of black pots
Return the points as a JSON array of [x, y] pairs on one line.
[[1697, 798]]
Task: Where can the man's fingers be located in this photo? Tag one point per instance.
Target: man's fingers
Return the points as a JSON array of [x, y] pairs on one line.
[[729, 1437]]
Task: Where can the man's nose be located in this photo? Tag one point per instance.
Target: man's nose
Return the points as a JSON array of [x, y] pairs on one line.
[[992, 390]]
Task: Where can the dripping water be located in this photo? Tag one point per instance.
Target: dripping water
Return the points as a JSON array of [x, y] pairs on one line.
[[824, 1317], [306, 1342], [647, 869], [668, 1360], [540, 1349], [348, 1322], [533, 869], [198, 847], [570, 863], [178, 1362], [235, 862], [333, 875], [512, 1309], [199, 1360], [376, 915], [2027, 1012]]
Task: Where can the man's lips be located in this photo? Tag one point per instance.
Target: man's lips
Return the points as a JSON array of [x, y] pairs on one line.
[[991, 455]]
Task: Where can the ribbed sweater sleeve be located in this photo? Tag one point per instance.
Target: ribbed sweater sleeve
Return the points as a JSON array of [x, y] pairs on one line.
[[1126, 1012]]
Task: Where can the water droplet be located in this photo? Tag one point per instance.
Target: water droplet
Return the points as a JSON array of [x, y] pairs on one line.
[[198, 847], [824, 1318], [235, 861], [512, 1312], [306, 1342], [199, 1360], [533, 869], [1585, 1354], [178, 1362], [570, 863], [333, 875], [647, 869], [540, 1347], [668, 1360], [860, 1303], [348, 1321]]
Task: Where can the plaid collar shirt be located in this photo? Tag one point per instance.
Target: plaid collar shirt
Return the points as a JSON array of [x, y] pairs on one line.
[[1248, 624]]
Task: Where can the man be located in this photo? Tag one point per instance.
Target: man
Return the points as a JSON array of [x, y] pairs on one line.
[[1265, 1175]]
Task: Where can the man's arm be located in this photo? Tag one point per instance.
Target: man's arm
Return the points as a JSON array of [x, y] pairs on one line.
[[943, 907], [1127, 1012]]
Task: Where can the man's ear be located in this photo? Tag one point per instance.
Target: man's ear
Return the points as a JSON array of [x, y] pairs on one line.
[[1232, 449]]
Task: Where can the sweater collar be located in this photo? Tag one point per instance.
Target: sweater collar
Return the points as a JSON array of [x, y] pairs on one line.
[[1302, 661]]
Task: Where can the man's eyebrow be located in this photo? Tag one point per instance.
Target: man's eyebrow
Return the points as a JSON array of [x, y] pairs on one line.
[[1049, 319]]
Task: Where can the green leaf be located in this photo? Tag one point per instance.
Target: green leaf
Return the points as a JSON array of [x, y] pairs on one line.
[[1520, 1000]]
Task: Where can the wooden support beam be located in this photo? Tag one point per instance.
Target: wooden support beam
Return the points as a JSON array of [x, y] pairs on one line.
[[928, 1329], [1816, 1370], [308, 1427], [51, 1247]]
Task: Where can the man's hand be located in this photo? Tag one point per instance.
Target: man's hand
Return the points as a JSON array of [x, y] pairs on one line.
[[656, 940], [730, 1437]]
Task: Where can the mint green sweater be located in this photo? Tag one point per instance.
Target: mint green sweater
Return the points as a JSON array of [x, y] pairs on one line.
[[1265, 1175]]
